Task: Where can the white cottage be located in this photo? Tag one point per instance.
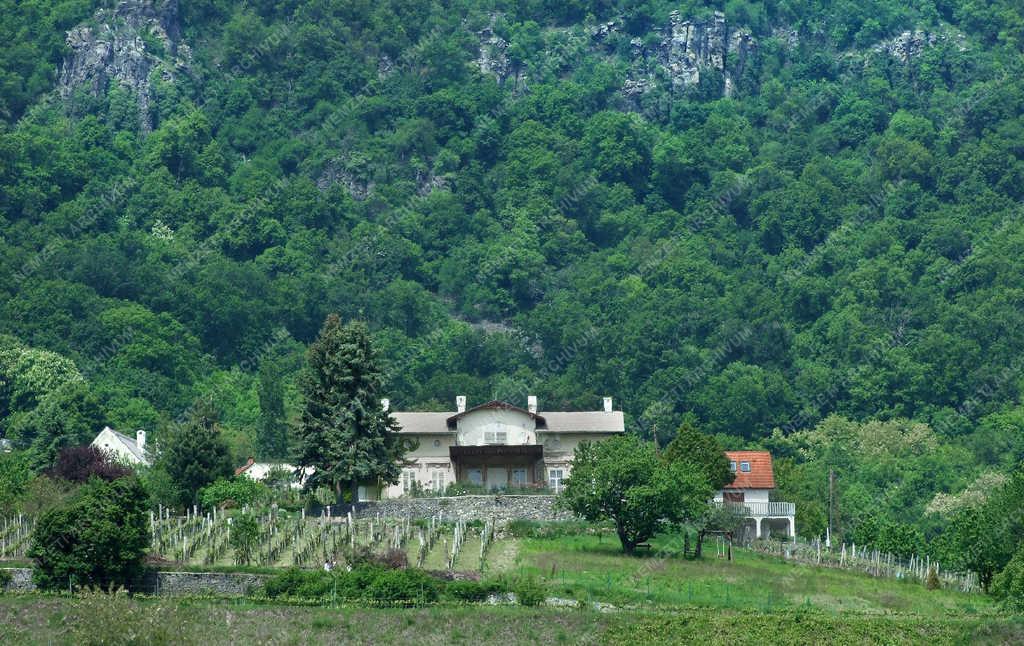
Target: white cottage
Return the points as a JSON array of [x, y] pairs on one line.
[[751, 492], [259, 471], [495, 445], [123, 448]]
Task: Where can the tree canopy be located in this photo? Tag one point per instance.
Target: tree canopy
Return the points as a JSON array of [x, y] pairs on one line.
[[622, 479], [344, 432]]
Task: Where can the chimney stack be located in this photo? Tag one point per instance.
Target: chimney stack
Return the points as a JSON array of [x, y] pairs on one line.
[[385, 405], [607, 404], [460, 403], [140, 439], [531, 403]]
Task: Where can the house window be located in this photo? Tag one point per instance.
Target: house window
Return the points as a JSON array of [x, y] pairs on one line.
[[437, 481], [745, 467], [518, 477], [476, 477], [732, 465], [408, 478], [555, 477], [495, 437]]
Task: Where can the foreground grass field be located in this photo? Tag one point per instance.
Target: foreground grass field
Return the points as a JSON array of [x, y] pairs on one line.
[[656, 598], [96, 619], [593, 567]]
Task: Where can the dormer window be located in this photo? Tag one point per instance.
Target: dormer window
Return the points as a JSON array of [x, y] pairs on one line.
[[745, 467], [495, 437], [732, 465]]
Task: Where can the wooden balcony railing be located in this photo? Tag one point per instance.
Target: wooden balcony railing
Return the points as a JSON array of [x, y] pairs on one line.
[[763, 509]]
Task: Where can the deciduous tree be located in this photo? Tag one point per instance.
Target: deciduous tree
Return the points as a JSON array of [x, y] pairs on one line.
[[623, 480]]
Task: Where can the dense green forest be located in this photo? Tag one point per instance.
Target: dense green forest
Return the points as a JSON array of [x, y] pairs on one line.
[[809, 241]]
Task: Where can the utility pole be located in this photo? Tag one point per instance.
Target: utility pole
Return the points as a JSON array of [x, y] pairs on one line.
[[831, 497]]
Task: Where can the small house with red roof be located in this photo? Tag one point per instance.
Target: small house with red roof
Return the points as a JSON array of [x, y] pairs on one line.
[[751, 494]]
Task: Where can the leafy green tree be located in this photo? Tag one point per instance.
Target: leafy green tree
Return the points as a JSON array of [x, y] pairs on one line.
[[344, 433], [1008, 585], [623, 480], [69, 416], [239, 490], [193, 454], [15, 474], [97, 537], [700, 453], [901, 539]]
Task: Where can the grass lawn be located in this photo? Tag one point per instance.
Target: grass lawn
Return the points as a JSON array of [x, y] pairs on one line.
[[754, 599], [96, 619], [593, 567]]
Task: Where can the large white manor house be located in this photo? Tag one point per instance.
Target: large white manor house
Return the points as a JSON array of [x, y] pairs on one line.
[[497, 445]]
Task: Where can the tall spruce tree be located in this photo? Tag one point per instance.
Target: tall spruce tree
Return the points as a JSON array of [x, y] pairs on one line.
[[344, 433], [272, 434], [194, 454]]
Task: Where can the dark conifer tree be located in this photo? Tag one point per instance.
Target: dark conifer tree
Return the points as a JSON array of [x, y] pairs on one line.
[[194, 454], [272, 434], [344, 432]]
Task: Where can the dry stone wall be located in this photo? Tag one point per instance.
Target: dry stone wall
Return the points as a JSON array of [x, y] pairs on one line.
[[502, 508], [165, 583]]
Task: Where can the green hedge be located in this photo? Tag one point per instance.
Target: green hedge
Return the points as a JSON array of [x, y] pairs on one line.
[[409, 586]]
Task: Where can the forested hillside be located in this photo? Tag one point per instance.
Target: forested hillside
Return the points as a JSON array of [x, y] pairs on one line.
[[794, 215]]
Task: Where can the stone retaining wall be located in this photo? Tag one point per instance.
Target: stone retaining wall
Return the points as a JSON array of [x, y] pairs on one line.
[[502, 508], [166, 583], [21, 580]]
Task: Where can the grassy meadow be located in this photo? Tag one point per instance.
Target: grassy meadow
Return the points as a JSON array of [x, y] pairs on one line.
[[592, 567], [99, 619], [606, 598]]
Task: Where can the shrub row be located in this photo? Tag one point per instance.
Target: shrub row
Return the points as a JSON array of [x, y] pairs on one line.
[[409, 586], [549, 529]]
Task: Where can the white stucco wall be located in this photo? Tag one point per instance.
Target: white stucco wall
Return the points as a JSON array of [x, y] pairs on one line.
[[519, 426], [432, 455], [749, 495], [107, 441]]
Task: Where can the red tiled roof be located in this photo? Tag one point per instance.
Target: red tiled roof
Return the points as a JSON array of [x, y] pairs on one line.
[[242, 469], [760, 475]]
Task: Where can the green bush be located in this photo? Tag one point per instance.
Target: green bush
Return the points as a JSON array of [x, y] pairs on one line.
[[410, 586], [548, 529], [5, 578], [472, 591], [529, 592], [245, 534], [239, 491], [294, 582], [317, 584], [98, 537]]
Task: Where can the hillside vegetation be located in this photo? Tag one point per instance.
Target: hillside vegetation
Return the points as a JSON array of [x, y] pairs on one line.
[[806, 236]]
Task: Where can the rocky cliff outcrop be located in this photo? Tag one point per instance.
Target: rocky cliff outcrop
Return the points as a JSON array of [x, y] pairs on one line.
[[911, 44], [126, 45], [492, 58], [686, 49]]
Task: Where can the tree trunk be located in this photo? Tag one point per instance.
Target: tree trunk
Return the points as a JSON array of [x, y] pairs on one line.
[[628, 545], [700, 544], [355, 493]]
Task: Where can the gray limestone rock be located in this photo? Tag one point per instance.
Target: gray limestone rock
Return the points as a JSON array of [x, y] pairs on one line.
[[125, 45]]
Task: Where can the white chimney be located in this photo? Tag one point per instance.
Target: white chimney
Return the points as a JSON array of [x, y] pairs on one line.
[[531, 403], [140, 439], [607, 404], [385, 405], [460, 403]]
